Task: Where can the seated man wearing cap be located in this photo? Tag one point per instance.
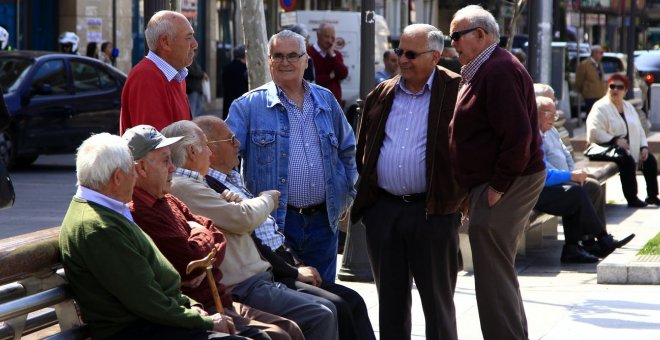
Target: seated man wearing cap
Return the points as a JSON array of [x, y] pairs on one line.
[[125, 287], [183, 237]]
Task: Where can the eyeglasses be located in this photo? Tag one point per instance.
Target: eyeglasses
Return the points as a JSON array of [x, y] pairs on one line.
[[231, 140], [409, 54], [291, 57], [457, 35], [617, 87]]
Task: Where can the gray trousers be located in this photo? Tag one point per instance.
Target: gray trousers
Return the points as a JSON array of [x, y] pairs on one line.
[[315, 315], [494, 235], [597, 196]]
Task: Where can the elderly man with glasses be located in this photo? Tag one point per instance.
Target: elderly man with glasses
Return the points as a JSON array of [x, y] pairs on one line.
[[294, 138], [407, 197]]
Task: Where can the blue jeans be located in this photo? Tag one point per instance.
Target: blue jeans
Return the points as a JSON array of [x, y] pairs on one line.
[[312, 239]]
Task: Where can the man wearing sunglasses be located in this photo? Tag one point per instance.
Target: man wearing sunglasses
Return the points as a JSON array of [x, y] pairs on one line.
[[407, 198], [495, 145], [295, 138]]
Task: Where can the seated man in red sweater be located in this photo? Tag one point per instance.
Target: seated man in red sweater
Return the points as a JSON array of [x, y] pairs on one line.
[[155, 91], [328, 61]]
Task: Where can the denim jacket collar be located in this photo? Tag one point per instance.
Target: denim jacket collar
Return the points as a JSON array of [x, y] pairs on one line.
[[273, 99]]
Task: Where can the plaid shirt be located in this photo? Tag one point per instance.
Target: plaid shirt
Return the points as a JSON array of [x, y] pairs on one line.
[[468, 71], [167, 69], [190, 173]]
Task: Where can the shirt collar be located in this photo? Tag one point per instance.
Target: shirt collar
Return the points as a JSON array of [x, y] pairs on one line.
[[318, 49], [168, 71], [221, 177], [142, 195], [103, 200], [281, 94], [189, 173], [468, 71], [427, 85]]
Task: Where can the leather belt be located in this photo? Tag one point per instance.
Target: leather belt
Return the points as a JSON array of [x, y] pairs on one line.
[[313, 210], [410, 198]]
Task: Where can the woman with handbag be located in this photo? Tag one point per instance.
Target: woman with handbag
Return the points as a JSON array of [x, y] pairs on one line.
[[613, 121]]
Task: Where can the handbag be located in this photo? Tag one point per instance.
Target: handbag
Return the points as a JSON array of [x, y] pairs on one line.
[[610, 152], [7, 195]]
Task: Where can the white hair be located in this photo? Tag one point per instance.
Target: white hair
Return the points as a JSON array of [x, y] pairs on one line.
[[286, 34], [477, 16], [191, 136], [162, 22], [542, 100], [543, 90], [98, 157], [435, 41]]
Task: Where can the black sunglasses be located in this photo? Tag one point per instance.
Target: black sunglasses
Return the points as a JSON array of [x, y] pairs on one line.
[[409, 54], [617, 87], [457, 35]]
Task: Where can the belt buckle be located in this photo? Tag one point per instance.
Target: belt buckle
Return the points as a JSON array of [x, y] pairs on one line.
[[407, 198], [300, 211]]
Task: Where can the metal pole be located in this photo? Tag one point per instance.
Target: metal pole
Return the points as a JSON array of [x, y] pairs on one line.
[[355, 264], [632, 36]]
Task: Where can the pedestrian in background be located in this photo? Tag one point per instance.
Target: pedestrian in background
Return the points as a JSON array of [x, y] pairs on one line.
[[328, 61], [106, 53], [194, 88], [390, 67], [408, 198], [155, 90], [589, 81], [495, 145], [92, 50], [234, 79]]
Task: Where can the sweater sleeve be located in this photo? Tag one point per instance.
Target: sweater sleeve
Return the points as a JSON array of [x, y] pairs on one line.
[[144, 296], [238, 218]]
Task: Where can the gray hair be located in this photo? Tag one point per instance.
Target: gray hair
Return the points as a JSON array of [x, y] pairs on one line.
[[160, 23], [98, 157], [190, 133], [208, 124], [541, 100], [542, 90], [286, 34], [298, 28], [477, 16], [435, 41]]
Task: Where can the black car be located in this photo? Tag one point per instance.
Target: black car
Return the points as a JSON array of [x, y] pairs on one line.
[[56, 101]]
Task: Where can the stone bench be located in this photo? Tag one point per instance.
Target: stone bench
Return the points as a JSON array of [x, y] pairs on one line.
[[34, 293]]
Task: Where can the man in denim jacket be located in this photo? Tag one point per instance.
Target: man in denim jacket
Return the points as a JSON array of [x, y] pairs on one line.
[[295, 138]]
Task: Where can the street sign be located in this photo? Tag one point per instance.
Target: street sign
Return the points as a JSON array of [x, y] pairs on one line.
[[288, 5]]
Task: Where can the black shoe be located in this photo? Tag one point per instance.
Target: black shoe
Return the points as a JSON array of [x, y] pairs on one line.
[[636, 203], [607, 247], [653, 200], [572, 253], [625, 241]]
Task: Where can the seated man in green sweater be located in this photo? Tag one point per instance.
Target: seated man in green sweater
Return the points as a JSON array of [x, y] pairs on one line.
[[125, 287]]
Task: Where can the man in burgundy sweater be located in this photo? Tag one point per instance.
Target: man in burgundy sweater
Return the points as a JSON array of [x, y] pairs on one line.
[[495, 149], [155, 91], [328, 62]]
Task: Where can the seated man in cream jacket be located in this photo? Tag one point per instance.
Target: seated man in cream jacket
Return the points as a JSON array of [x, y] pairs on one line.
[[245, 272]]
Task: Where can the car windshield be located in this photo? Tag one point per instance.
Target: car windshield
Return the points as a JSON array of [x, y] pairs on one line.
[[648, 61], [12, 71]]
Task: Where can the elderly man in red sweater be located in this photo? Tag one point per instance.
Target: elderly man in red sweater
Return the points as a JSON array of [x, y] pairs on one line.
[[328, 62], [155, 91]]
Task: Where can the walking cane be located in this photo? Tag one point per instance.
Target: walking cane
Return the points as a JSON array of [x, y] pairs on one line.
[[207, 263]]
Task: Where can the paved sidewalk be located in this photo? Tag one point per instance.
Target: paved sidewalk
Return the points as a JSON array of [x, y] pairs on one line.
[[564, 301]]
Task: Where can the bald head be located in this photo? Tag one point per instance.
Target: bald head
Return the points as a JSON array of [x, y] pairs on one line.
[[325, 36]]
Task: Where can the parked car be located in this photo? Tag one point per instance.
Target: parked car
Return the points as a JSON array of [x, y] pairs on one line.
[[648, 65], [612, 63], [56, 101]]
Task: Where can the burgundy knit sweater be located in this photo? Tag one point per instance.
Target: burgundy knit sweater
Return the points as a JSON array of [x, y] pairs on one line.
[[324, 66]]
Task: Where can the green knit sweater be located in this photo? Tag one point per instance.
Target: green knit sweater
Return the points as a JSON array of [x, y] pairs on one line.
[[117, 274]]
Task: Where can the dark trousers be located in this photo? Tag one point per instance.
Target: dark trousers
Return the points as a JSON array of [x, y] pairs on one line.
[[573, 204], [494, 234], [144, 329], [404, 243], [628, 173]]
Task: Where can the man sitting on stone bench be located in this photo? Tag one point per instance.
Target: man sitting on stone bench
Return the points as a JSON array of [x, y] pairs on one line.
[[125, 287], [564, 195]]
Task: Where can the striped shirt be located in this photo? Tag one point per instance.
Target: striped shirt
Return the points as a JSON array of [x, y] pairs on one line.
[[468, 71], [267, 232], [306, 178], [401, 166], [168, 71], [189, 173]]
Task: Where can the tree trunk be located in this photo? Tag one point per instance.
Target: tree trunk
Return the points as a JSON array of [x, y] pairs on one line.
[[254, 31]]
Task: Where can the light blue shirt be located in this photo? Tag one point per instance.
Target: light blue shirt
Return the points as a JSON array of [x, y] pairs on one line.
[[268, 231], [168, 71], [401, 165], [558, 156], [261, 124], [94, 196], [306, 187]]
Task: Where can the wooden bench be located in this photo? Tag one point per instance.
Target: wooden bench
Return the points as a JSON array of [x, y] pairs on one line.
[[34, 293], [540, 224]]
